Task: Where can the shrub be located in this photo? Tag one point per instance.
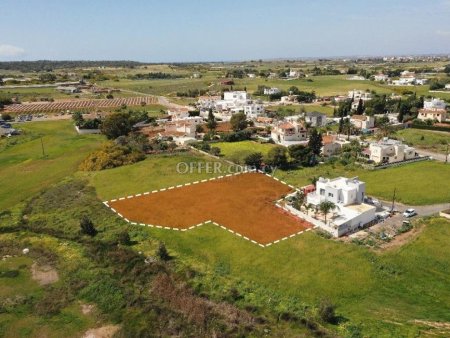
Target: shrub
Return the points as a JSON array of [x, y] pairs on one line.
[[87, 227], [162, 252], [110, 156], [124, 238], [326, 311], [215, 151], [6, 117]]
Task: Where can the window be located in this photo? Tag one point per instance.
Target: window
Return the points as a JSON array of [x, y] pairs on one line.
[[322, 192], [330, 194]]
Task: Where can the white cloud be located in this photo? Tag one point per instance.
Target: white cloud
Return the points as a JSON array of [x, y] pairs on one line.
[[11, 51]]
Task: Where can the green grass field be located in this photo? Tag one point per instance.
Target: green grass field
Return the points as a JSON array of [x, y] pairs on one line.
[[302, 270], [23, 168], [416, 183], [408, 284], [434, 141], [237, 151]]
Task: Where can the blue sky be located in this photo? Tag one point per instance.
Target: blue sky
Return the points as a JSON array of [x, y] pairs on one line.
[[212, 30]]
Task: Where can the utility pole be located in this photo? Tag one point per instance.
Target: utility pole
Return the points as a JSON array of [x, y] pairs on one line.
[[393, 200], [446, 155], [42, 146]]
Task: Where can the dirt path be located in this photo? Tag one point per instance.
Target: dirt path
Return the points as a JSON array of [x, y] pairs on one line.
[[44, 274], [106, 331]]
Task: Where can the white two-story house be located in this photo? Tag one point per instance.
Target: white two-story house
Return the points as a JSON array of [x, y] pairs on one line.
[[347, 194]]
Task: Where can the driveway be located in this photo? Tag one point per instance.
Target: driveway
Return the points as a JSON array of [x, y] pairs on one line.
[[435, 156]]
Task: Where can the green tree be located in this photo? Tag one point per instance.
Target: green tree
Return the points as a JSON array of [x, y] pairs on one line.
[[77, 117], [325, 207], [347, 127], [360, 108], [211, 122], [87, 227], [117, 124], [301, 154], [254, 160], [277, 157], [238, 121], [315, 142], [6, 117]]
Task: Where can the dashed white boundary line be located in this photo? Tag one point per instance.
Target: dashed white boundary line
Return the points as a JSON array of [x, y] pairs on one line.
[[106, 203]]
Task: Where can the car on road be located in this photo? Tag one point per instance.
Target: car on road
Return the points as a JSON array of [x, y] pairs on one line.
[[409, 213]]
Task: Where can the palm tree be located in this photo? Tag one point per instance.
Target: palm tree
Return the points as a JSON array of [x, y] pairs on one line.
[[308, 207], [347, 126], [325, 207]]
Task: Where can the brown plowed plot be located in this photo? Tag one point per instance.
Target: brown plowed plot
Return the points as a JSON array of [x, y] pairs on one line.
[[243, 203]]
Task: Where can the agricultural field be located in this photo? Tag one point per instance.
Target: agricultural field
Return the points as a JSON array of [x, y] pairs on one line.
[[26, 170], [434, 141], [80, 105], [241, 203]]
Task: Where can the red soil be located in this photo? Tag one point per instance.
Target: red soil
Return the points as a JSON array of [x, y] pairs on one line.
[[244, 203]]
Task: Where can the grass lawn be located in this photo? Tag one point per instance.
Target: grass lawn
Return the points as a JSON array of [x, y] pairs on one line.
[[237, 151], [21, 320], [434, 141], [156, 172], [306, 268], [409, 283], [23, 169], [417, 183], [296, 109]]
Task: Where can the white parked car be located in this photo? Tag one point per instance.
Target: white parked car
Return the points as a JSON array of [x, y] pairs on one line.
[[409, 213]]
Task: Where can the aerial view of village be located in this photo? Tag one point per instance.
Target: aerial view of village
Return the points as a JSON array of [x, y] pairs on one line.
[[224, 169]]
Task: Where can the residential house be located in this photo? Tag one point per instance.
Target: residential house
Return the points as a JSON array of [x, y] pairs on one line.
[[357, 95], [390, 151], [347, 194], [253, 110], [363, 121], [381, 77], [315, 119], [356, 78], [406, 79], [293, 73], [433, 114], [178, 113], [68, 89], [272, 91], [434, 104], [329, 145], [289, 131]]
